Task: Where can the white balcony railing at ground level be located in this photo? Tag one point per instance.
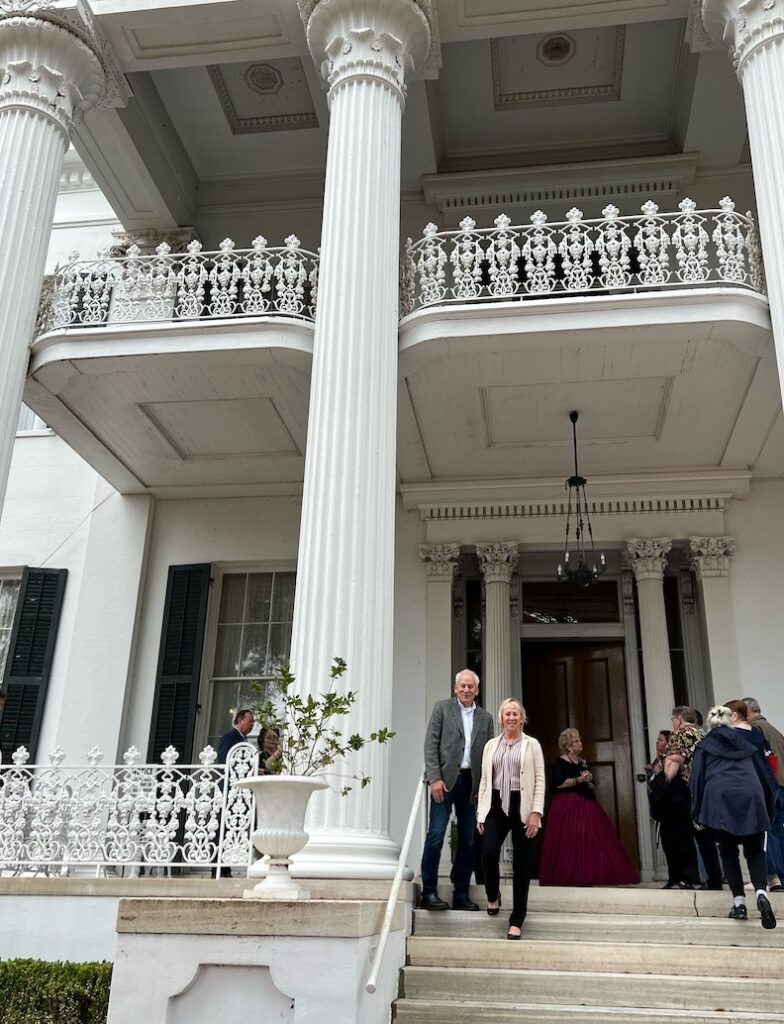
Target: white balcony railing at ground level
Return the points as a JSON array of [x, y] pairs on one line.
[[58, 819], [688, 249], [190, 285]]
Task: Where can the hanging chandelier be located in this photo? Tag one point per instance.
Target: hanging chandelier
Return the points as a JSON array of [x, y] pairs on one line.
[[579, 563]]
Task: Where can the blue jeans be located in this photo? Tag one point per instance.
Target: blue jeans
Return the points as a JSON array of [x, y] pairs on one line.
[[458, 796]]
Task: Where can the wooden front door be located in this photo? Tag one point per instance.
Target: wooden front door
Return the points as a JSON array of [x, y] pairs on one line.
[[583, 686]]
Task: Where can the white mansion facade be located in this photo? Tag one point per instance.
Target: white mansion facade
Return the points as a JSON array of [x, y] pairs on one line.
[[261, 424]]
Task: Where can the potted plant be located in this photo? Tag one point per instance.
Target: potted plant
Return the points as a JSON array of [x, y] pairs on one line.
[[310, 743]]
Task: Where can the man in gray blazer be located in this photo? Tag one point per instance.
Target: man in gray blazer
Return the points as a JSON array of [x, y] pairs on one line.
[[456, 736]]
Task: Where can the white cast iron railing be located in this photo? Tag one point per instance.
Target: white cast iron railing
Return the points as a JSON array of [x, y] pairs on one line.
[[55, 818], [691, 248], [191, 285]]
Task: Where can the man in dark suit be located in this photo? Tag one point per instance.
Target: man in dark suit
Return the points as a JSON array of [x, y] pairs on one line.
[[456, 736], [243, 723]]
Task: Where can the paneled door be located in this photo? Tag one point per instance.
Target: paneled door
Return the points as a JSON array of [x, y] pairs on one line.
[[583, 685]]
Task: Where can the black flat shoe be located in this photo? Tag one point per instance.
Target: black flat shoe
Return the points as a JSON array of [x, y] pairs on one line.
[[766, 911], [464, 903], [514, 938], [433, 902], [493, 911]]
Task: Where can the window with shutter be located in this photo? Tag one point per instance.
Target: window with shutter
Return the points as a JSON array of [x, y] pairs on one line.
[[179, 660], [29, 658]]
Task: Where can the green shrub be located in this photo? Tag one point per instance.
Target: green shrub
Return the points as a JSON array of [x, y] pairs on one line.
[[40, 992]]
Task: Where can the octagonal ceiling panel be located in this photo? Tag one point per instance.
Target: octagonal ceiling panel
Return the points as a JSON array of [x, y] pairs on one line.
[[264, 96]]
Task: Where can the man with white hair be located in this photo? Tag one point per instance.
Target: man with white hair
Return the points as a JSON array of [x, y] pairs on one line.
[[775, 742], [456, 736]]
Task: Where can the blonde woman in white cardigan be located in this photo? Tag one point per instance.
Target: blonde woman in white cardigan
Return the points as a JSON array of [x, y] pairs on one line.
[[511, 799]]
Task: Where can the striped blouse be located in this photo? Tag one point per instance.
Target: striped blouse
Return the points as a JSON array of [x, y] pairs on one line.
[[506, 769]]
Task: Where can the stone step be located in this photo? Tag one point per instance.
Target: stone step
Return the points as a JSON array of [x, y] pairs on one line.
[[719, 992], [577, 955], [597, 928], [447, 1012], [617, 900]]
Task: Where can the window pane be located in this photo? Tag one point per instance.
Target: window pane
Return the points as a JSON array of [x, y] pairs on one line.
[[283, 597], [279, 647], [259, 593], [232, 598], [9, 591], [567, 602], [224, 700], [254, 651], [227, 652]]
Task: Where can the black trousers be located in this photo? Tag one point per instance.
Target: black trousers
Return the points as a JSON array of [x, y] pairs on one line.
[[497, 827], [677, 835], [706, 842], [753, 851]]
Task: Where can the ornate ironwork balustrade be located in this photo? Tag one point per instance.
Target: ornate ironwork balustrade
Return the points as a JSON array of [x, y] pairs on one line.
[[57, 818], [191, 285], [690, 248]]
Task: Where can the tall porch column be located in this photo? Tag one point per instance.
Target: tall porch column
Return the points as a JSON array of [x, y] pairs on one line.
[[49, 75], [753, 31], [648, 560], [440, 565], [345, 571], [711, 562], [497, 563]]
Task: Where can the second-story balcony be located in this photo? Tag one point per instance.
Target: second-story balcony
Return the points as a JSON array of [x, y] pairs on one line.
[[189, 373]]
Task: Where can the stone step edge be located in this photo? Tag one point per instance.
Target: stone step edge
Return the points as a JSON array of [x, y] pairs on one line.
[[603, 975], [568, 944], [590, 1009]]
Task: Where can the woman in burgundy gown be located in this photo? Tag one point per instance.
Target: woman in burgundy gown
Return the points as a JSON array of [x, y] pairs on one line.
[[581, 847]]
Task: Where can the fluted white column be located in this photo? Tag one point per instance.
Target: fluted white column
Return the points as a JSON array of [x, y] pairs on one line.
[[48, 75], [753, 31], [440, 565], [345, 570], [497, 563], [648, 560], [711, 558]]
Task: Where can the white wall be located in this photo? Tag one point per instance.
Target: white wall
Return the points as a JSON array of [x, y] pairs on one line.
[[757, 586]]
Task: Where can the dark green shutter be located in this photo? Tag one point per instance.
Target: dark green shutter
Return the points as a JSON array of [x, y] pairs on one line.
[[29, 661], [179, 661]]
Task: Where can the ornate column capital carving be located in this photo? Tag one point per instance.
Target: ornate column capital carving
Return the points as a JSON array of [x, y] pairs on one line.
[[373, 39], [55, 61], [711, 556], [648, 557], [743, 26], [439, 561], [497, 561]]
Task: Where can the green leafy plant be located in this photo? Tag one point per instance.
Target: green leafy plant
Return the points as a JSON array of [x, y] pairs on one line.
[[310, 741], [42, 992]]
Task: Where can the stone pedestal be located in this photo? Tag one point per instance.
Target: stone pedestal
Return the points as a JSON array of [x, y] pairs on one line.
[[711, 558], [345, 570], [48, 76], [648, 559], [497, 563]]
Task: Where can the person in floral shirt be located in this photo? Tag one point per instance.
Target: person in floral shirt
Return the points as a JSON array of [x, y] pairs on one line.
[[677, 829], [684, 738]]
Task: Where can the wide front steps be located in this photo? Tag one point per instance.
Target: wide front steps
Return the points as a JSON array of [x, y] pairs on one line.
[[640, 956]]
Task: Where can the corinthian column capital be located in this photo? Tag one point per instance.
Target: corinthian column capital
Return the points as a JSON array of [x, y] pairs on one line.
[[439, 561], [55, 62], [711, 556], [743, 26], [497, 561], [648, 557], [385, 40]]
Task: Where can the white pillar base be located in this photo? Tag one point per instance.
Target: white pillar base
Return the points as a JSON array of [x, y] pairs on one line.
[[338, 854]]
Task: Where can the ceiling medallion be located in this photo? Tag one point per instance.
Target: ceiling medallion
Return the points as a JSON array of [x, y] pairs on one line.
[[558, 48], [264, 79]]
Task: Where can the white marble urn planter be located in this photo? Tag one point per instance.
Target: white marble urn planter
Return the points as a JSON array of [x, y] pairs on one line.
[[281, 804]]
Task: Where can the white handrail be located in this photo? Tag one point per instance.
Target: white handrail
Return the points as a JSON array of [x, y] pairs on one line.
[[386, 925]]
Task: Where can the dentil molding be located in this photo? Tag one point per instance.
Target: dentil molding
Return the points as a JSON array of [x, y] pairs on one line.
[[711, 556], [379, 40], [648, 557], [439, 561], [497, 561], [745, 27]]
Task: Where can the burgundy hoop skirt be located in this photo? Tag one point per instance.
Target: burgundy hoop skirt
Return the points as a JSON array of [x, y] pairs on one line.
[[581, 847]]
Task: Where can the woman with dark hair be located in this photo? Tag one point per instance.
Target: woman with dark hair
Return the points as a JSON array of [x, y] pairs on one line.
[[732, 790], [269, 752], [657, 764], [581, 847]]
